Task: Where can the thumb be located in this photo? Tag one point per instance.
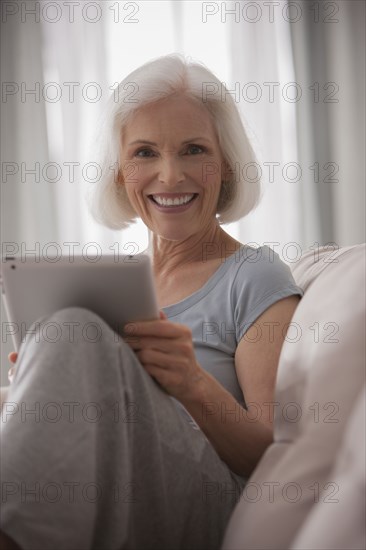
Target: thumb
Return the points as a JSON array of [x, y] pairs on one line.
[[13, 356]]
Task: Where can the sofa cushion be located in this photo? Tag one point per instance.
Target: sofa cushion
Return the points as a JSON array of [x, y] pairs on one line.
[[321, 371], [335, 527]]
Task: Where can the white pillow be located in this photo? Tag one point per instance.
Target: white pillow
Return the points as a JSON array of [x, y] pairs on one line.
[[320, 374]]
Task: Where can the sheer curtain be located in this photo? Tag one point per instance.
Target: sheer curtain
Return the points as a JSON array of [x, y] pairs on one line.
[[79, 61], [60, 61], [262, 75], [297, 74]]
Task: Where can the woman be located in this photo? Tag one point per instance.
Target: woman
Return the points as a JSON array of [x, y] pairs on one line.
[[186, 399]]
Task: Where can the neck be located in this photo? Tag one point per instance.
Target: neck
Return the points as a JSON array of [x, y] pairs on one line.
[[210, 244]]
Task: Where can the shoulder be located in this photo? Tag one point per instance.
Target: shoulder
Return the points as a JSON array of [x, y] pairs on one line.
[[262, 268], [260, 279]]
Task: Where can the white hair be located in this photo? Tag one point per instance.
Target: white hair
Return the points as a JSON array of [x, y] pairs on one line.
[[156, 80]]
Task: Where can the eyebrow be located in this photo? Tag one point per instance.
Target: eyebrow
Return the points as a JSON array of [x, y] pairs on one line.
[[146, 142]]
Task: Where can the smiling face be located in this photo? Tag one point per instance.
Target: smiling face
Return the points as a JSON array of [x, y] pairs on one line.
[[171, 167]]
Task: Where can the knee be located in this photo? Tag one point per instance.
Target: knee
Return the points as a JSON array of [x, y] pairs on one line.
[[71, 324], [73, 339], [74, 314]]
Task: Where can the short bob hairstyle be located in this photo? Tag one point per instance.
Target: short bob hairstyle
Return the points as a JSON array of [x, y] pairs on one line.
[[156, 80]]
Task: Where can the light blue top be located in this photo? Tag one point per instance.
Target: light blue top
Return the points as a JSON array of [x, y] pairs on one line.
[[220, 312]]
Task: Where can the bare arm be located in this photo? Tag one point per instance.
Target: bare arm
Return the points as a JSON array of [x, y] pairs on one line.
[[241, 437]]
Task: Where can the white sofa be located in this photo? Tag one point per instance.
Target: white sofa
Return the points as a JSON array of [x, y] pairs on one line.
[[308, 491]]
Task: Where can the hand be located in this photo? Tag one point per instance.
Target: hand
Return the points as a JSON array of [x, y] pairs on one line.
[[165, 350], [13, 356]]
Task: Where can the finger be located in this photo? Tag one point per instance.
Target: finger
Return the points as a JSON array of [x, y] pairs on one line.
[[12, 357], [171, 346], [162, 315], [151, 357], [11, 373], [156, 374], [163, 360], [168, 381], [158, 328], [165, 345]]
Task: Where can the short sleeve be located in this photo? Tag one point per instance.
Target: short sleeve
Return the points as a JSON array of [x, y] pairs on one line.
[[261, 280]]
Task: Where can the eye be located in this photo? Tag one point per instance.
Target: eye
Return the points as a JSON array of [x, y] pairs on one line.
[[195, 149], [144, 153]]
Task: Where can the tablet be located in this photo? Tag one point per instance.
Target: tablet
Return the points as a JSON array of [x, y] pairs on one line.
[[119, 289]]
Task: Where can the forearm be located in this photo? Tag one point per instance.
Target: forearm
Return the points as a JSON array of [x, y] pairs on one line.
[[239, 440]]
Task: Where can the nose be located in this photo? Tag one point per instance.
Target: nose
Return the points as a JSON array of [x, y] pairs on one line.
[[170, 170]]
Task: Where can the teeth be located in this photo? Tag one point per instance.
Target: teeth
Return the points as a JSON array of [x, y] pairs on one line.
[[172, 202]]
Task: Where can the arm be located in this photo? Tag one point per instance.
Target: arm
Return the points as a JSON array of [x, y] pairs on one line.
[[165, 349], [241, 439]]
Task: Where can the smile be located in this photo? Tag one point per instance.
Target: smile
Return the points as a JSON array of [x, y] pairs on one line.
[[176, 203]]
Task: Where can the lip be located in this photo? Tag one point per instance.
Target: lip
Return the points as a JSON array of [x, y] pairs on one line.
[[172, 209]]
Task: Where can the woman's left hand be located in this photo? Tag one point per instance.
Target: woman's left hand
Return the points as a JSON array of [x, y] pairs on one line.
[[165, 350]]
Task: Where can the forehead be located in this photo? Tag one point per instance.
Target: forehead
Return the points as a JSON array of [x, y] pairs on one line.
[[177, 115]]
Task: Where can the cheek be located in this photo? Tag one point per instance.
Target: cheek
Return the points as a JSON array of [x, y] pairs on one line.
[[212, 185], [133, 180], [209, 173], [130, 172]]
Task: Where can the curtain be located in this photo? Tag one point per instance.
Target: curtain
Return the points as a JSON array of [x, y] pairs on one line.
[[28, 207], [328, 44], [284, 62], [262, 74]]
